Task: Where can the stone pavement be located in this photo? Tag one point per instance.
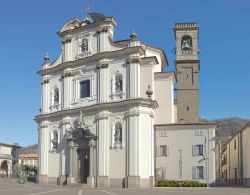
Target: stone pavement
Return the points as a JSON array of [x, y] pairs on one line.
[[11, 187]]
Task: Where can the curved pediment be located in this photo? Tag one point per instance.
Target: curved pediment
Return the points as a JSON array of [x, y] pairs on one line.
[[72, 24]]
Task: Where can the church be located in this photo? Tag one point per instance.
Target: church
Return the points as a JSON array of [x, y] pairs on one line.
[[108, 111]]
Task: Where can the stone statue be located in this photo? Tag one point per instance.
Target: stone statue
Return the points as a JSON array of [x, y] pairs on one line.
[[118, 135], [118, 84]]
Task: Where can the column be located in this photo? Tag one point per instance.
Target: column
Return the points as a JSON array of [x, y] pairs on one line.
[[45, 95], [72, 178], [65, 125], [102, 147], [66, 95], [133, 161], [43, 147], [91, 178]]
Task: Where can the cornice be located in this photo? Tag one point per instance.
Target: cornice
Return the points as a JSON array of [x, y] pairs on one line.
[[93, 58], [100, 106]]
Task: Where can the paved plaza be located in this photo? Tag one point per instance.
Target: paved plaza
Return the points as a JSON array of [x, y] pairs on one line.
[[11, 187]]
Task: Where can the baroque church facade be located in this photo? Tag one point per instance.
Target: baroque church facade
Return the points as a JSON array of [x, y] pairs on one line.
[[101, 103]]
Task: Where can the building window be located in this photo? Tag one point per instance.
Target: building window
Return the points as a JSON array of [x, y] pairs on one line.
[[235, 145], [198, 132], [164, 150], [84, 45], [85, 89], [163, 134], [198, 150], [199, 172]]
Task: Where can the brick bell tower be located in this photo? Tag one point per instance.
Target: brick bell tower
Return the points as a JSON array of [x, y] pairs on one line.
[[187, 67]]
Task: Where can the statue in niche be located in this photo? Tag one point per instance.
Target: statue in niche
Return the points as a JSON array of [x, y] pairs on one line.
[[56, 95], [118, 83], [84, 46], [54, 140], [118, 134]]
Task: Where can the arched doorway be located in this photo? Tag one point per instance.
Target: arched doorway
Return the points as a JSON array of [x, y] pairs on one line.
[[4, 168]]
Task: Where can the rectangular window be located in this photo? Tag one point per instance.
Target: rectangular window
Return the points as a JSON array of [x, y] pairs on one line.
[[199, 172], [163, 150], [198, 132], [85, 89], [235, 146], [163, 134], [198, 150]]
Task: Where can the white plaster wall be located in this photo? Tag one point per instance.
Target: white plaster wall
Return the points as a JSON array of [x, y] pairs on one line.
[[157, 68], [181, 138], [147, 76], [164, 95], [5, 150], [53, 165]]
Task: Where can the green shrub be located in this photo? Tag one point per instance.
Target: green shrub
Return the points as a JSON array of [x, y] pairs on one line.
[[180, 184]]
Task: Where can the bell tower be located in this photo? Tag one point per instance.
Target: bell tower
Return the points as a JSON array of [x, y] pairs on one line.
[[187, 67]]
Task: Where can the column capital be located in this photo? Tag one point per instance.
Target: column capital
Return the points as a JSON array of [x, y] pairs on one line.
[[44, 81], [66, 74], [103, 29], [134, 60], [92, 143], [66, 40]]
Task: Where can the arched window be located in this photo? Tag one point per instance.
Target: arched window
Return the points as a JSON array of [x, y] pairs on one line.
[[118, 83], [117, 135], [56, 95], [54, 139], [84, 45], [186, 43]]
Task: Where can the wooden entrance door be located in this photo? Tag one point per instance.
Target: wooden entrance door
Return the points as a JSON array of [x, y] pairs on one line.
[[83, 162]]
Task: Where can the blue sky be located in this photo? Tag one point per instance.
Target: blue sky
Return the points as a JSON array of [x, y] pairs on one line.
[[28, 30]]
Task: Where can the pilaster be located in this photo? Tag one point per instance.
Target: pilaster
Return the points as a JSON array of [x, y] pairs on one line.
[[102, 147], [134, 76], [133, 160], [91, 178], [66, 76], [103, 38], [72, 163], [65, 124], [103, 81], [45, 94], [43, 148], [67, 49]]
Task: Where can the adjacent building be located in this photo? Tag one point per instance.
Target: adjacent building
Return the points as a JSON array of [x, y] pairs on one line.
[[8, 158], [108, 115], [234, 159], [28, 159]]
